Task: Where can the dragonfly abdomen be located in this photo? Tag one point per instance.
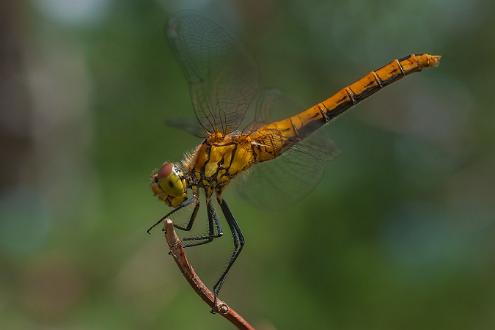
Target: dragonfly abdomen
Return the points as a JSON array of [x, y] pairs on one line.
[[295, 128], [373, 82]]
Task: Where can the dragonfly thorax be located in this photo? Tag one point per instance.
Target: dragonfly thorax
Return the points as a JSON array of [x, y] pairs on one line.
[[169, 184]]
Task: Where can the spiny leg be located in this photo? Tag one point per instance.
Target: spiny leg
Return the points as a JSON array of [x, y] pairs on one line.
[[183, 204], [213, 225], [196, 200], [191, 219], [238, 245]]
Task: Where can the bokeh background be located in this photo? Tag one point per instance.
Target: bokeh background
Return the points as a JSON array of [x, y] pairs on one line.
[[398, 235]]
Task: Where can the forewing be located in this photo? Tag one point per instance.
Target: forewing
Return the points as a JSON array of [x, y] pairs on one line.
[[270, 105], [222, 77]]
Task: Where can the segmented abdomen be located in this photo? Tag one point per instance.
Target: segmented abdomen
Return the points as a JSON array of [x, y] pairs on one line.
[[272, 139]]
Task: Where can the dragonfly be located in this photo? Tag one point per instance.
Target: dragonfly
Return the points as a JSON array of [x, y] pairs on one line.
[[224, 89]]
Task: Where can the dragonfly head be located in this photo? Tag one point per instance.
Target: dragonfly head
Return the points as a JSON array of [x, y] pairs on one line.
[[169, 185]]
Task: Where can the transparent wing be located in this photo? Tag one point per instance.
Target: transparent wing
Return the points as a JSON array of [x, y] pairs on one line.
[[188, 125], [290, 177], [270, 105], [294, 174], [222, 77]]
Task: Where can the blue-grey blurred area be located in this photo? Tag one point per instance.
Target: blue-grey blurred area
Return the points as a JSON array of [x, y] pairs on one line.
[[398, 235]]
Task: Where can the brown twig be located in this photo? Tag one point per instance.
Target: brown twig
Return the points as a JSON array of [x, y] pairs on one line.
[[179, 254]]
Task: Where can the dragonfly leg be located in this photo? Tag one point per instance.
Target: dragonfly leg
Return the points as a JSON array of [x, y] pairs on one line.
[[238, 238], [191, 219], [214, 229], [183, 204]]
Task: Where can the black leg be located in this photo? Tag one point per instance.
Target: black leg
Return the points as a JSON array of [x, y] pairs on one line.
[[213, 223], [191, 219], [183, 204], [238, 245]]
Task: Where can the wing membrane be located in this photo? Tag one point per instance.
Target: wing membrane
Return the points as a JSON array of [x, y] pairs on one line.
[[222, 77], [188, 125], [296, 172], [291, 176]]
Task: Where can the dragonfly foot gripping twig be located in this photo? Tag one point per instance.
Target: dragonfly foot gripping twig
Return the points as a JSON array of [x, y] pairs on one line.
[[178, 253]]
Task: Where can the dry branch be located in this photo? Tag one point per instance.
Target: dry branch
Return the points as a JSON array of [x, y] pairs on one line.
[[178, 252]]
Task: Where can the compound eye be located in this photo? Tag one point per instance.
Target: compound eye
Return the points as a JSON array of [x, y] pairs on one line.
[[164, 171]]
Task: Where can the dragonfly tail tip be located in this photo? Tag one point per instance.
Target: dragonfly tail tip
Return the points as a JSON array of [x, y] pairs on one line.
[[435, 60]]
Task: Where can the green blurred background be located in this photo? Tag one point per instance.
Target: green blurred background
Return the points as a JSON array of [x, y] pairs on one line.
[[398, 235]]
